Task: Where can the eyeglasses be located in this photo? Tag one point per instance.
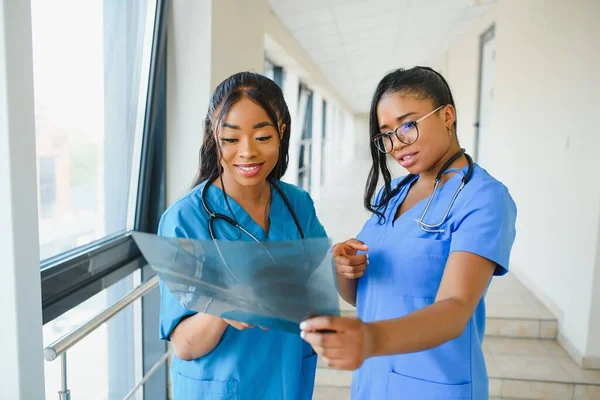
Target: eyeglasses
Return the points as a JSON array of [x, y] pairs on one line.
[[407, 133]]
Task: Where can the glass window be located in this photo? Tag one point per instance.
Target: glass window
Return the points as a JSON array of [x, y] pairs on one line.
[[274, 72], [102, 365], [90, 64], [324, 141], [269, 70], [47, 185], [306, 119]]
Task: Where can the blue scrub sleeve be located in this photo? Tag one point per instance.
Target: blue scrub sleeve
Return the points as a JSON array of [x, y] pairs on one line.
[[486, 226], [172, 224]]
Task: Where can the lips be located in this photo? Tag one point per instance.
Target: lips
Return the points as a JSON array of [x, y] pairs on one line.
[[249, 170], [407, 160]]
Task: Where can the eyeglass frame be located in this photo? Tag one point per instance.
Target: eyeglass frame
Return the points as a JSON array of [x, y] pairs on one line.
[[414, 124]]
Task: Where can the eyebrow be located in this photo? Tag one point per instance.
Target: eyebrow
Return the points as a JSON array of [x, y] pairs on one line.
[[255, 126], [400, 118]]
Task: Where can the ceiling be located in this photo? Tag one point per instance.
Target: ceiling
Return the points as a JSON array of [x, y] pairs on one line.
[[355, 42]]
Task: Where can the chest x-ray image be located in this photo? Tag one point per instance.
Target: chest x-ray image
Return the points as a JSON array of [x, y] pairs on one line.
[[275, 284]]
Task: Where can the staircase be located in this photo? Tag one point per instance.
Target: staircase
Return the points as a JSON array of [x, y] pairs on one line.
[[523, 358]]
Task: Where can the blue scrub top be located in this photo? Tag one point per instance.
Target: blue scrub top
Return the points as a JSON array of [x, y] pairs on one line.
[[249, 364], [405, 270]]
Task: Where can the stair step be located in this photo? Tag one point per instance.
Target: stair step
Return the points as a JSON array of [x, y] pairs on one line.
[[513, 311], [518, 368], [510, 327], [331, 393], [516, 321]]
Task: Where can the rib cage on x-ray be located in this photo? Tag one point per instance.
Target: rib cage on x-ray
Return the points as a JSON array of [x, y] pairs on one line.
[[272, 284]]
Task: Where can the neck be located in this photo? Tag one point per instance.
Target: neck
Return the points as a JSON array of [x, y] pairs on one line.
[[428, 177], [251, 196]]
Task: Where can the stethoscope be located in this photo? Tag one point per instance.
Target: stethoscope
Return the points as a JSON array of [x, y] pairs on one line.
[[435, 228], [212, 216]]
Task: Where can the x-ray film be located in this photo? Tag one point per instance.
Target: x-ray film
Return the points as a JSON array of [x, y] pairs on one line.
[[275, 285]]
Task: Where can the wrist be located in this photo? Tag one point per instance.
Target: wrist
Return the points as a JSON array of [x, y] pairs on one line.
[[371, 340]]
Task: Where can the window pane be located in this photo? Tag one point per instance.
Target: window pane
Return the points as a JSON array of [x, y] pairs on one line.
[[91, 63], [324, 142], [102, 365]]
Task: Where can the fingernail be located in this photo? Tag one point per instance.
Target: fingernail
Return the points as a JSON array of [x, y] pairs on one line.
[[302, 325], [302, 334]]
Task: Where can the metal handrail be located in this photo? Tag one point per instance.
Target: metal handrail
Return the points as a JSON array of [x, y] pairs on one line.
[[154, 368], [58, 347]]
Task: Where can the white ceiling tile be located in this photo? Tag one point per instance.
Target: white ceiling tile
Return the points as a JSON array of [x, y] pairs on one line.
[[353, 11], [315, 32], [332, 54], [356, 42], [286, 7], [367, 23], [346, 2], [311, 18], [323, 43]]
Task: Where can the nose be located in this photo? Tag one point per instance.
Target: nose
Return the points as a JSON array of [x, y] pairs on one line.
[[397, 144], [248, 148]]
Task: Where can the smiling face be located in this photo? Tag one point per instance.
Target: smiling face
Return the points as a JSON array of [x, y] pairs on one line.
[[398, 112], [249, 144]]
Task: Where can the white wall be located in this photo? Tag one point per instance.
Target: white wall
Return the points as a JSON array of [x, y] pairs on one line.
[[188, 89], [545, 142], [208, 40], [237, 38], [21, 370], [361, 136], [291, 90]]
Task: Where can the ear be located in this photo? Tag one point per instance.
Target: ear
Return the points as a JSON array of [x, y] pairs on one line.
[[449, 116], [282, 130]]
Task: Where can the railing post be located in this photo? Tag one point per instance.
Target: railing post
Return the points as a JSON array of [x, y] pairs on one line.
[[64, 393]]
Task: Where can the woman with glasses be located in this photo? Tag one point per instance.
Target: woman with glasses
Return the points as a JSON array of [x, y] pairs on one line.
[[419, 269], [237, 195]]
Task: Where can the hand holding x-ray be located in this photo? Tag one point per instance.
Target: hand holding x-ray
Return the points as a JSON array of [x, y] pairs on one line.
[[274, 285]]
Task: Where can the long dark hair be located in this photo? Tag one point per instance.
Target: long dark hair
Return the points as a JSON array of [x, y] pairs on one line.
[[262, 91], [421, 82]]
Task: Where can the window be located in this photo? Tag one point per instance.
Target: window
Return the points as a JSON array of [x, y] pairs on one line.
[[99, 89], [323, 142], [274, 72], [47, 185], [305, 103], [93, 362], [90, 74]]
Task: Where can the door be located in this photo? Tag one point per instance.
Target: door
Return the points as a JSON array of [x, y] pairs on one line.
[[487, 68]]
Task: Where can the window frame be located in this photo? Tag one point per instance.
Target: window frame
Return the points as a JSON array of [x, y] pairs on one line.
[[306, 140], [70, 278]]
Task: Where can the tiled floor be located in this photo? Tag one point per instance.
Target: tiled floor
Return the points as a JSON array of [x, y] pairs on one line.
[[508, 298], [513, 311], [524, 361]]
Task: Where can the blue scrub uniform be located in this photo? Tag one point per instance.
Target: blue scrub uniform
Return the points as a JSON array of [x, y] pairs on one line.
[[249, 364], [405, 269]]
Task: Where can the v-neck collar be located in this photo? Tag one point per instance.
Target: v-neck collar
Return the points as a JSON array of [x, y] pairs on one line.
[[401, 196], [242, 216]]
